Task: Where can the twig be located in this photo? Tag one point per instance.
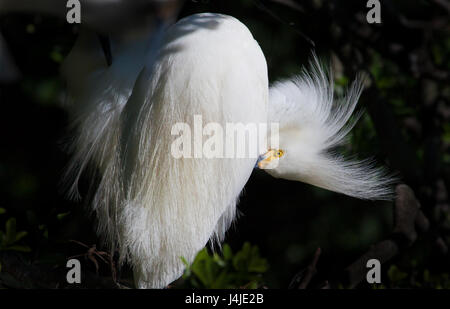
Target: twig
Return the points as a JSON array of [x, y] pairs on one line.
[[290, 4], [263, 8], [303, 278], [407, 217]]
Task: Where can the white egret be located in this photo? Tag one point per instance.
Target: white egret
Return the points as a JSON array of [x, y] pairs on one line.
[[156, 208]]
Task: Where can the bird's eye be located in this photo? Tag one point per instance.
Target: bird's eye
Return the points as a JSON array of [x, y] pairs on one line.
[[280, 153]]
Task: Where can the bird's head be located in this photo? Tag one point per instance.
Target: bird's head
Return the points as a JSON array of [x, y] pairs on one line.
[[285, 160], [270, 159]]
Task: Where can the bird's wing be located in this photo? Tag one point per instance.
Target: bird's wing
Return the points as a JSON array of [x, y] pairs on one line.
[[155, 207], [97, 93], [166, 208]]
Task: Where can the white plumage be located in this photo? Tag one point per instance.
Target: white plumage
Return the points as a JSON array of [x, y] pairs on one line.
[[156, 209], [312, 124]]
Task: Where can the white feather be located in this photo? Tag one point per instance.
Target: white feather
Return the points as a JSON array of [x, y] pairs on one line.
[[97, 94], [311, 124], [155, 208]]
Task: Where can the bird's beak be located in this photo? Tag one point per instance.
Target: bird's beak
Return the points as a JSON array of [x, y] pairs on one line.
[[269, 160]]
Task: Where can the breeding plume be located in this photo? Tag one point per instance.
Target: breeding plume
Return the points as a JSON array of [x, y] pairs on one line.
[[155, 208]]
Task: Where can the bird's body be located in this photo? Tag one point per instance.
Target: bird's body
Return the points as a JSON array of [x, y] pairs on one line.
[[174, 206], [157, 209]]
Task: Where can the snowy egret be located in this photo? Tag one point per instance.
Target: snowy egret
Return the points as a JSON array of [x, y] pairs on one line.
[[155, 208]]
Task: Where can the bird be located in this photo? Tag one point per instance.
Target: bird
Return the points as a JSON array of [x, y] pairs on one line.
[[157, 210]]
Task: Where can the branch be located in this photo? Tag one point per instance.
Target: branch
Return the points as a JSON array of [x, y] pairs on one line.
[[407, 218], [302, 279], [408, 222], [290, 4]]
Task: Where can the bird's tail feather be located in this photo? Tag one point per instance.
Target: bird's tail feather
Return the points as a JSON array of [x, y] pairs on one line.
[[324, 124]]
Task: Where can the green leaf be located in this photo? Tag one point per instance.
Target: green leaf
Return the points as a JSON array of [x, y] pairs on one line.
[[10, 230], [258, 265], [221, 281], [210, 271], [199, 265], [2, 211], [426, 275], [62, 215], [10, 237], [19, 248], [20, 235], [185, 262], [227, 253], [395, 275], [213, 270], [219, 261]]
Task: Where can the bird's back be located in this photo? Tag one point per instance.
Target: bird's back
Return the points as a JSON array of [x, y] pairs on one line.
[[158, 208]]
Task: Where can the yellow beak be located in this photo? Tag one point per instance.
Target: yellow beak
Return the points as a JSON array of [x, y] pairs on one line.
[[269, 160]]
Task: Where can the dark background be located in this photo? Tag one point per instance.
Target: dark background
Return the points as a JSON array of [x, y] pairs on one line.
[[405, 127]]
